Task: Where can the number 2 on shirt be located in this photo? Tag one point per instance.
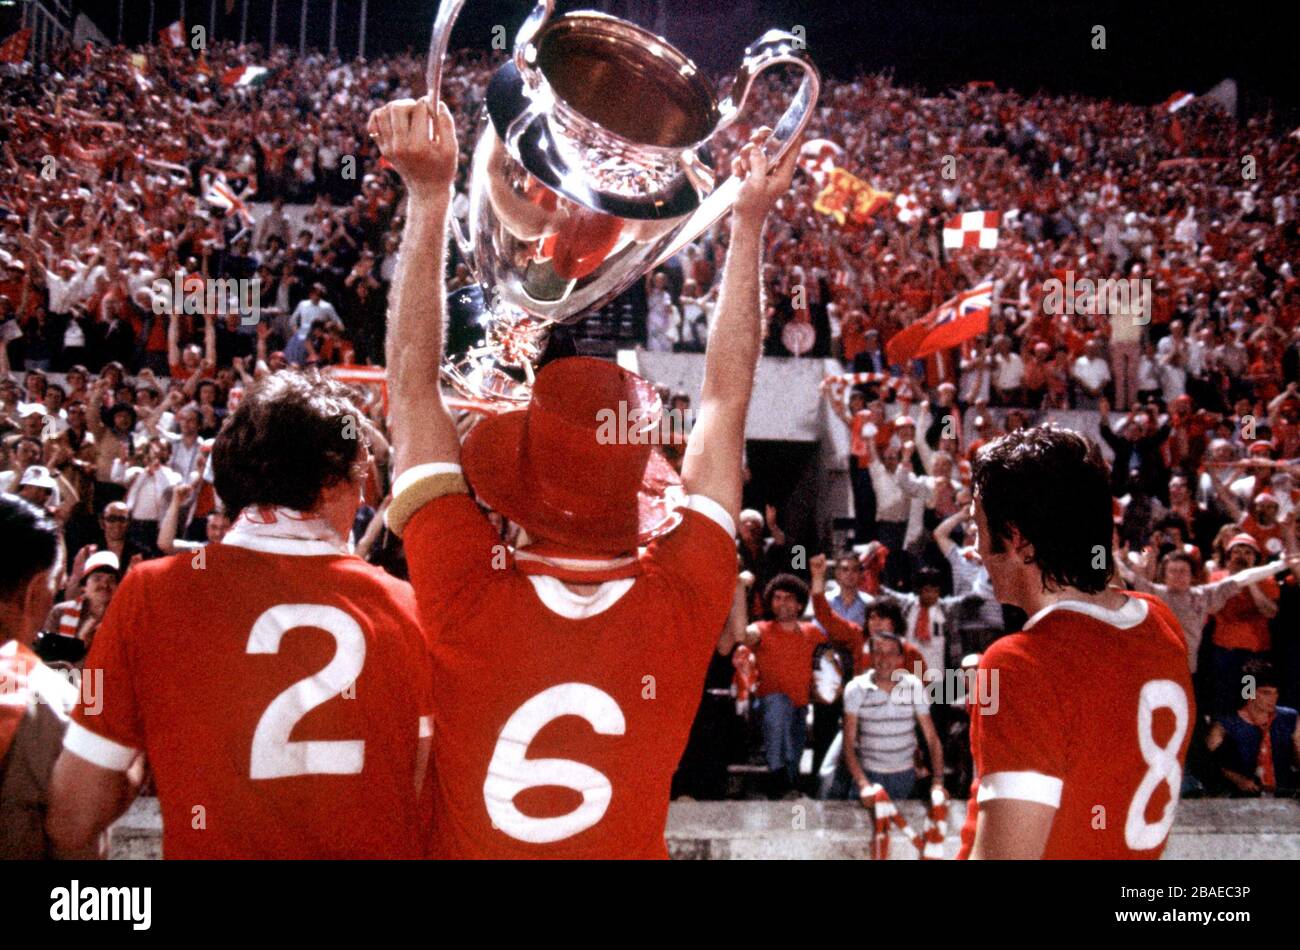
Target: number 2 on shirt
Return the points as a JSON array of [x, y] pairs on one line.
[[274, 755]]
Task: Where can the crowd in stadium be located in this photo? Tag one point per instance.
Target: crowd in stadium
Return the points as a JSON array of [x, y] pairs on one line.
[[110, 395]]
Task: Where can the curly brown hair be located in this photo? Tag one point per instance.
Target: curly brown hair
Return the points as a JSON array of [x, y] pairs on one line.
[[294, 434]]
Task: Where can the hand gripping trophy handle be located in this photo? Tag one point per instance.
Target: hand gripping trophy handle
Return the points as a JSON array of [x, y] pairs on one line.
[[771, 49]]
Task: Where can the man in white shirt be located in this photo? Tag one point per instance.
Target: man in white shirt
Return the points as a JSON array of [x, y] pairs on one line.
[[148, 489], [186, 446], [882, 708], [1172, 355], [925, 617], [312, 309], [65, 286], [1008, 372], [1091, 372], [139, 278], [896, 486]]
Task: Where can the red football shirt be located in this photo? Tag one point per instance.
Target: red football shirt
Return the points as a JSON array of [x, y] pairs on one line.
[[1090, 712], [785, 659], [278, 698], [1240, 625], [560, 719], [846, 633]]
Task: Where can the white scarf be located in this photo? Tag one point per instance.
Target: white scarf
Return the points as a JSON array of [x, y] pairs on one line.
[[285, 531]]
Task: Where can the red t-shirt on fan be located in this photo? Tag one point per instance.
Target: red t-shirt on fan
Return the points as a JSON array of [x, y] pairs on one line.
[[1091, 713], [280, 702], [785, 659], [561, 718]]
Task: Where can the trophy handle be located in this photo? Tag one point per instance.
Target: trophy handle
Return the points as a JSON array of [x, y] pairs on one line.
[[772, 48], [448, 11]]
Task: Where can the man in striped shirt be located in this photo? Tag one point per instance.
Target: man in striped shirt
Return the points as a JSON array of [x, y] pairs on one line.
[[882, 708]]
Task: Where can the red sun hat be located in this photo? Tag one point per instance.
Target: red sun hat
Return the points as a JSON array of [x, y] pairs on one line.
[[547, 467]]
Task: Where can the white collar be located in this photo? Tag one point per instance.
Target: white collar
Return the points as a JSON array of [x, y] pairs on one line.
[[283, 531], [568, 603], [1127, 617]]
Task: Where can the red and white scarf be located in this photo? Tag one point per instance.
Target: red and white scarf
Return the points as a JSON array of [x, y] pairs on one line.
[[929, 844], [267, 527], [70, 618]]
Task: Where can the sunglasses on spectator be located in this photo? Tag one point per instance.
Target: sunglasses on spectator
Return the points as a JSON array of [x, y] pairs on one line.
[[116, 519]]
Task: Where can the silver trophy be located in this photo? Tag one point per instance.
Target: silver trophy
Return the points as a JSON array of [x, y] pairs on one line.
[[592, 168]]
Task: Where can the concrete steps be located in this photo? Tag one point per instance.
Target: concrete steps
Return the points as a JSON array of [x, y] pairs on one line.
[[804, 829]]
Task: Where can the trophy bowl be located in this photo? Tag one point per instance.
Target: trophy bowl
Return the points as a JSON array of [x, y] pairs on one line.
[[592, 167]]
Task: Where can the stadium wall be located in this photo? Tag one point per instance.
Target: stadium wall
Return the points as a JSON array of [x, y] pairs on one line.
[[1241, 829]]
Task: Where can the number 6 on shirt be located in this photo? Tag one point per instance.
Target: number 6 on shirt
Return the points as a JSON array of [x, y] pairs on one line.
[[274, 755], [511, 771]]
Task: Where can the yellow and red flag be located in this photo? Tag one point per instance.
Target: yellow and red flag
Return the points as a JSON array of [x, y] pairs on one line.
[[847, 198]]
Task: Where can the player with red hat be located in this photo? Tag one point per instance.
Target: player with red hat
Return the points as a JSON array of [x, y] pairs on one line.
[[568, 669], [1080, 751]]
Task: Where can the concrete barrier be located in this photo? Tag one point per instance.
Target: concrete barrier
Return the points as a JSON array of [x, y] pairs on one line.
[[812, 830]]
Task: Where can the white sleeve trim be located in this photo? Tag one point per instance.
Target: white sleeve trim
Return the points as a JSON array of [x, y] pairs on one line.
[[706, 506], [415, 473], [97, 750], [1021, 786]]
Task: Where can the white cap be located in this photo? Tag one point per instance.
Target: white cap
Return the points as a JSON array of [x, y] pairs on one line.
[[100, 561], [38, 476]]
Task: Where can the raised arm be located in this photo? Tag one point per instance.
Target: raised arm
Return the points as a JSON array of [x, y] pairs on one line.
[[210, 340], [943, 530], [841, 631], [714, 451], [173, 339], [1227, 498], [1253, 575], [181, 495], [423, 428], [835, 396], [94, 417]]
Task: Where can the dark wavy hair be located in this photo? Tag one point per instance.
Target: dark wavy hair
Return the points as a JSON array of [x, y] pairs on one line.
[[31, 543], [1053, 486], [889, 609], [294, 434], [788, 583], [1264, 673]]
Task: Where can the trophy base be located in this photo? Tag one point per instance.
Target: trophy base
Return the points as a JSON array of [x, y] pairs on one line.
[[493, 356]]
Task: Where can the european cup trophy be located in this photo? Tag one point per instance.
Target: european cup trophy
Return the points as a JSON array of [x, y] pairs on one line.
[[592, 167]]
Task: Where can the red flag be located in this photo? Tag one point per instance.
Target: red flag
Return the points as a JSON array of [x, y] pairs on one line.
[[173, 35], [902, 345], [973, 229], [962, 318], [14, 49]]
